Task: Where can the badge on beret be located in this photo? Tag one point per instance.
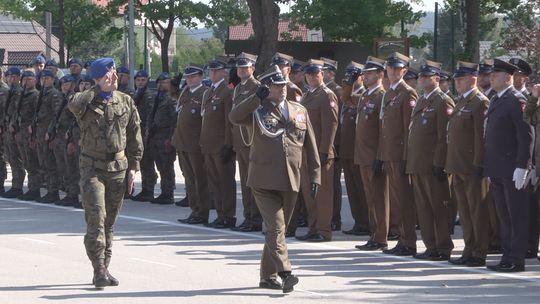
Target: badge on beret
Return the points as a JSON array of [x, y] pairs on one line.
[[300, 117]]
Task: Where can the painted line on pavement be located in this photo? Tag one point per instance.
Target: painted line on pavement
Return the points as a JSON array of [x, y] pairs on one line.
[[36, 241], [316, 245], [153, 262]]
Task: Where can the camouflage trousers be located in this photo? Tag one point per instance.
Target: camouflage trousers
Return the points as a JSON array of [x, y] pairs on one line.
[[29, 159], [15, 161], [67, 166], [47, 163], [102, 198]]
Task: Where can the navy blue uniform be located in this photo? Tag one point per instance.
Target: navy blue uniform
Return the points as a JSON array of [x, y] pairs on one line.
[[508, 145]]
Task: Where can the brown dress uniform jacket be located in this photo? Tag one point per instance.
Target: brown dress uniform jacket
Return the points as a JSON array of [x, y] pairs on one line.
[[322, 106], [465, 134], [395, 114], [427, 136], [187, 134], [368, 127], [241, 92], [216, 128], [270, 160]]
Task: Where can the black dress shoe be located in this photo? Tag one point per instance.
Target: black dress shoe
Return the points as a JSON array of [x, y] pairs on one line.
[[12, 193], [304, 237], [531, 254], [476, 262], [185, 220], [317, 238], [127, 196], [270, 284], [372, 246], [251, 228], [49, 198], [426, 255], [197, 220], [241, 226], [441, 257], [494, 249], [183, 202], [357, 231], [30, 195], [405, 251], [163, 199], [289, 282], [460, 261], [218, 220], [226, 223], [393, 236], [77, 204], [335, 226], [392, 250], [506, 267]]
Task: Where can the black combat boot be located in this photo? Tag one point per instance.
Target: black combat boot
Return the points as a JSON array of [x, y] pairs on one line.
[[100, 279], [12, 193], [112, 280], [49, 198], [30, 195], [144, 196]]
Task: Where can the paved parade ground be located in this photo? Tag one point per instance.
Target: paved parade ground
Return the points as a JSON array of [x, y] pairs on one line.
[[158, 260]]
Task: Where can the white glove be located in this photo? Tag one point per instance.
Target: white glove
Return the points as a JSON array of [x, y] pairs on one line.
[[532, 177], [520, 178]]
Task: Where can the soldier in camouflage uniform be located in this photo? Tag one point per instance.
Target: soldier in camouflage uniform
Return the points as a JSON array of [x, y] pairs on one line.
[[13, 154], [48, 100], [86, 83], [144, 99], [4, 94], [161, 122], [19, 127], [66, 163], [111, 143]]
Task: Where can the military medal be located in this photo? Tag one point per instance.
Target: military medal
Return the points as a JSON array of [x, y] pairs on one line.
[[193, 111], [214, 108]]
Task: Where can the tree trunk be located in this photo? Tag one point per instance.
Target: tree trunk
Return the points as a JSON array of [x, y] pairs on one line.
[[265, 20], [61, 35], [165, 53], [472, 23]]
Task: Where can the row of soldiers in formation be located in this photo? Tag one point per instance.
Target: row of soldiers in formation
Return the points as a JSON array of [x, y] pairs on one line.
[[394, 148]]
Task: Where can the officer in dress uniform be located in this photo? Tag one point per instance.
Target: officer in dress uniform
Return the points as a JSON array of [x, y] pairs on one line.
[[484, 85], [411, 78], [426, 157], [282, 134], [521, 78], [241, 141], [395, 115], [329, 71], [353, 88], [285, 63], [186, 140], [366, 155], [507, 162], [322, 106], [297, 75], [464, 161]]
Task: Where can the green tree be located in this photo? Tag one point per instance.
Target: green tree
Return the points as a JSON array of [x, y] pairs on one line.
[[74, 21], [164, 15], [354, 20]]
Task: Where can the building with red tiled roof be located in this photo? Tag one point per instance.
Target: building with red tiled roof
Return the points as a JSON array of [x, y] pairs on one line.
[[23, 40], [286, 32]]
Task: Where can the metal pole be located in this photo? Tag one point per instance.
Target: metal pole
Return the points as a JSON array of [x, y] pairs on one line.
[[131, 49], [435, 29], [452, 38], [48, 29], [145, 48]]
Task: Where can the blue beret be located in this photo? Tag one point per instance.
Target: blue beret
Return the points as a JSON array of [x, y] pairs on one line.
[[51, 62], [13, 71], [67, 78], [38, 60], [75, 61], [141, 73], [28, 73], [122, 70], [47, 73], [101, 66], [163, 76]]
